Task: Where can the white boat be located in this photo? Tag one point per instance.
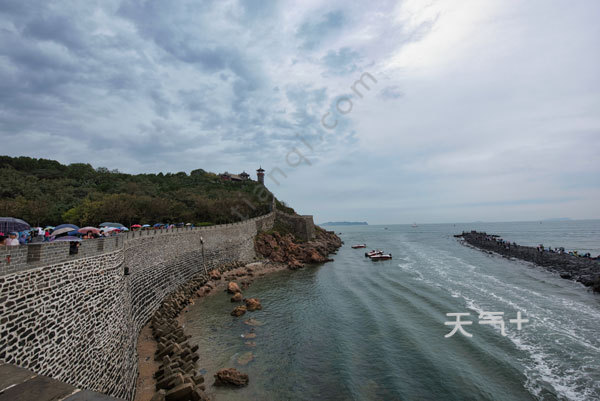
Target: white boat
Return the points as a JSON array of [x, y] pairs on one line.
[[371, 253], [359, 246], [381, 257], [414, 225]]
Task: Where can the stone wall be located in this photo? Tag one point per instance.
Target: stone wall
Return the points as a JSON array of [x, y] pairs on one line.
[[302, 226], [76, 318]]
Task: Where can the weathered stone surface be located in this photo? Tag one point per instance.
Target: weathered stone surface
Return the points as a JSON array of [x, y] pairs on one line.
[[238, 311], [252, 304], [288, 249], [237, 297], [233, 288], [231, 377], [215, 275]]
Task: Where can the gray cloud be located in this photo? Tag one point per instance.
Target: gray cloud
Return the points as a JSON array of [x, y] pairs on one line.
[[498, 104]]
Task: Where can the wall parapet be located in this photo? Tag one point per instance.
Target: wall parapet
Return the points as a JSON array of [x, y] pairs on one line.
[[30, 256]]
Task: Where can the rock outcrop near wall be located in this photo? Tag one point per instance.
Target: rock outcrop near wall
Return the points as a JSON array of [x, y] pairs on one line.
[[76, 318]]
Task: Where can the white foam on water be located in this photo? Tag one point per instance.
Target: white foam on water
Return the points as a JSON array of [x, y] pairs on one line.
[[540, 365]]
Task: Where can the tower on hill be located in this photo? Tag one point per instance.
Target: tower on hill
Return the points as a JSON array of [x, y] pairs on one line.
[[260, 174]]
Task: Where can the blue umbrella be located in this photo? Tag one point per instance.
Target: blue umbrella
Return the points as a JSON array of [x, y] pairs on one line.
[[158, 225], [73, 226], [146, 225], [8, 224]]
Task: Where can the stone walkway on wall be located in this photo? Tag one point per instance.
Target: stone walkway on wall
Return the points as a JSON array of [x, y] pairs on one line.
[[18, 384]]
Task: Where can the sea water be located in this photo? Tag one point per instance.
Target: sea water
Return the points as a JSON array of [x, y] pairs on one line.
[[355, 329]]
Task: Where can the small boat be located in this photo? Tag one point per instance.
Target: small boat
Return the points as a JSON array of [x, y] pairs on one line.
[[371, 253], [381, 257], [414, 225], [359, 246]]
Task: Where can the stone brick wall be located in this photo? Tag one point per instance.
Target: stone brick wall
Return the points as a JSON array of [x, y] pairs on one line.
[[76, 318], [302, 226]]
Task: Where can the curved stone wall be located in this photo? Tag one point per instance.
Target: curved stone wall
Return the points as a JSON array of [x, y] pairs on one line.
[[76, 318]]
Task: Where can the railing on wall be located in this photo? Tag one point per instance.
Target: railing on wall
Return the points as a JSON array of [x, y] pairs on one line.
[[23, 257]]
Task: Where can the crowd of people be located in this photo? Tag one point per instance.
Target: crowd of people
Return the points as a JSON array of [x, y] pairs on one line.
[[72, 233], [540, 248]]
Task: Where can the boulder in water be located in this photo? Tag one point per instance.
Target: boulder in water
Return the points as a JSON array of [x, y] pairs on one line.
[[237, 297], [232, 287], [238, 311], [253, 304], [231, 377]]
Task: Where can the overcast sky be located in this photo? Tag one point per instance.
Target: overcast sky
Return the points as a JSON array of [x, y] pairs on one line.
[[481, 110]]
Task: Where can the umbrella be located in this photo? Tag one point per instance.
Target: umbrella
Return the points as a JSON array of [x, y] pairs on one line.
[[8, 224], [115, 225], [136, 226], [158, 225], [63, 230], [146, 225], [123, 229], [86, 230], [188, 224], [108, 229], [73, 226], [49, 228], [67, 238]]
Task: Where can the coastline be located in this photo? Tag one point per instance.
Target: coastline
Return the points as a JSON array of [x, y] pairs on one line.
[[216, 283], [151, 340]]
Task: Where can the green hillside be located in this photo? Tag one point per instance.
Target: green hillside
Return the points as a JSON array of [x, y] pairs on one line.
[[45, 192]]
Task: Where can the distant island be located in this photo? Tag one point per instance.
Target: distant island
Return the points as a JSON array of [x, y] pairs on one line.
[[345, 223]]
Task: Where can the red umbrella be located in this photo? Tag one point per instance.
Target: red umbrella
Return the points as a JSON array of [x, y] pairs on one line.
[[86, 230], [136, 226]]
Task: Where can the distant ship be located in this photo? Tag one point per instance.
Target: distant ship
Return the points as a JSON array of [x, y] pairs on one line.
[[414, 225]]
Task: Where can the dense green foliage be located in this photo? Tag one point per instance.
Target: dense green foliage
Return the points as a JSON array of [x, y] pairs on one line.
[[45, 192]]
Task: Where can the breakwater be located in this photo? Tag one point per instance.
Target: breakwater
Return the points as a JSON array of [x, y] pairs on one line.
[[583, 269], [76, 318]]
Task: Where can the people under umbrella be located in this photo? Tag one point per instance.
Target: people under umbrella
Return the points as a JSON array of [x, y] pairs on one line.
[[15, 232]]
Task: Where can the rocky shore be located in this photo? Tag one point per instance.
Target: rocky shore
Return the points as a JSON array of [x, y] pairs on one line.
[[578, 268], [296, 254], [176, 377]]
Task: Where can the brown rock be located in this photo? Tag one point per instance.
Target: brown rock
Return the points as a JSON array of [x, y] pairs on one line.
[[238, 311], [214, 275], [232, 287], [253, 304], [231, 377], [237, 297]]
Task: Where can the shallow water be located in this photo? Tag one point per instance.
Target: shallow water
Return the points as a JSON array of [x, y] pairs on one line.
[[363, 330]]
